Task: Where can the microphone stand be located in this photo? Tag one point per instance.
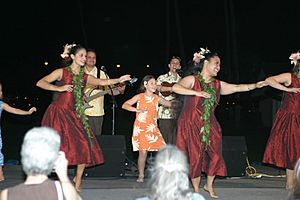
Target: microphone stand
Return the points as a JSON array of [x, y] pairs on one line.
[[114, 105]]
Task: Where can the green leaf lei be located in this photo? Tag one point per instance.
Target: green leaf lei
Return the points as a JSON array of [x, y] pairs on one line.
[[298, 76], [208, 104], [77, 81]]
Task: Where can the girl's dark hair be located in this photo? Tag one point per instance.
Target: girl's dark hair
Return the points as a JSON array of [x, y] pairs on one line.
[[145, 79], [73, 50], [193, 68]]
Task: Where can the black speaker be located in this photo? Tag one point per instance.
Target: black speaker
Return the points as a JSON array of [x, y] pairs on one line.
[[114, 150], [234, 153]]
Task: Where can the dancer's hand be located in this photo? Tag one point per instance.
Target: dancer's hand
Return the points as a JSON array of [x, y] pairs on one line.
[[68, 88], [294, 90], [124, 78], [261, 84], [31, 110], [202, 94]]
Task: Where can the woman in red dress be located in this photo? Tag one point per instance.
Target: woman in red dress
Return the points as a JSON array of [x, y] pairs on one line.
[[66, 113], [283, 147], [199, 133]]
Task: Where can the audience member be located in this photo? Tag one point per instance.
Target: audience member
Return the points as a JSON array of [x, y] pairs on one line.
[[169, 177], [40, 155]]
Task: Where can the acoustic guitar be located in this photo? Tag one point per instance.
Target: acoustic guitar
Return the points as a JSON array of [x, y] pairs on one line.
[[167, 84], [88, 97]]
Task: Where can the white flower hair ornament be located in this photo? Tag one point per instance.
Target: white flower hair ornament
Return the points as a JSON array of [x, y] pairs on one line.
[[294, 57], [67, 48], [200, 55]]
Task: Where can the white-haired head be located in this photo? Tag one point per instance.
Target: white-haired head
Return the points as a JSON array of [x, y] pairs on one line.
[[40, 150], [169, 175]]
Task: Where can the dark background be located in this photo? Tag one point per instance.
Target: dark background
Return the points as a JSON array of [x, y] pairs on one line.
[[253, 38]]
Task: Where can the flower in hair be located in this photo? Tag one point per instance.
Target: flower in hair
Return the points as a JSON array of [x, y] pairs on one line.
[[200, 55], [67, 48], [294, 57]]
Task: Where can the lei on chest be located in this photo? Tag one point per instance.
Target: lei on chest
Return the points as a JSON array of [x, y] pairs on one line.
[[77, 81], [208, 104], [297, 74]]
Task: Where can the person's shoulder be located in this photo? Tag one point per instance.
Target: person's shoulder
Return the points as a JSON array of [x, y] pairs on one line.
[[162, 76], [197, 196]]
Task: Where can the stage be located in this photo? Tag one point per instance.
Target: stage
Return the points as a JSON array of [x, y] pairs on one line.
[[126, 188]]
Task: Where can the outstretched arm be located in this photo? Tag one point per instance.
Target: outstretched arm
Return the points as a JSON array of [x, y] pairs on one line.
[[281, 82], [97, 81], [17, 111], [228, 88]]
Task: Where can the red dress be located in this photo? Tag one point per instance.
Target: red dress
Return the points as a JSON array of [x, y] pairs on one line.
[[61, 115], [189, 137], [283, 147]]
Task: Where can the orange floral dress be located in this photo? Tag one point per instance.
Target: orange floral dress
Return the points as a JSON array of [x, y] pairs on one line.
[[146, 135]]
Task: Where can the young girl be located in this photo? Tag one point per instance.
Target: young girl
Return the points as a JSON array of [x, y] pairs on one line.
[[146, 135], [8, 108]]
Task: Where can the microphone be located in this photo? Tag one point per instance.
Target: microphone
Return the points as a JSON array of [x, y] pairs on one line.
[[103, 68], [129, 82]]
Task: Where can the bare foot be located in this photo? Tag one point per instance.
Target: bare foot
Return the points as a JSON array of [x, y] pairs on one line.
[[289, 186], [140, 179], [77, 184], [211, 192]]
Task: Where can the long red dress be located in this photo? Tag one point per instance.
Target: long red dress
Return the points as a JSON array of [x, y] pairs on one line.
[[189, 137], [283, 147], [61, 115]]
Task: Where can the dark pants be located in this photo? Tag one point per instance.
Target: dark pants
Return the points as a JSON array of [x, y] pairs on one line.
[[168, 129], [96, 124]]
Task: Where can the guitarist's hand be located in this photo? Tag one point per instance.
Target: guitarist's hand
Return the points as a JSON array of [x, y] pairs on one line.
[[202, 94], [124, 78], [68, 88]]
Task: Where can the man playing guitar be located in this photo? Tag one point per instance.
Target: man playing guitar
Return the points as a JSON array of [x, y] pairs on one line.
[[95, 108], [167, 116]]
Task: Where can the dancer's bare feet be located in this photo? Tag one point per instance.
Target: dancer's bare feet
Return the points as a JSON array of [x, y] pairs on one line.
[[140, 179], [289, 186], [211, 192], [77, 184]]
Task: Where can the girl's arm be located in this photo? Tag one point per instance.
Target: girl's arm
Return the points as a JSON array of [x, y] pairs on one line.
[[227, 88], [281, 82], [164, 102], [128, 104], [17, 111], [97, 81], [45, 82]]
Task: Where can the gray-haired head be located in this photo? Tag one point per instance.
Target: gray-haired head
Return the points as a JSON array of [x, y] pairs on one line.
[[169, 175], [40, 150]]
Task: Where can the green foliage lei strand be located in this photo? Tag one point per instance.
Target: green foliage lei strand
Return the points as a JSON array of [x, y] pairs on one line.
[[77, 81], [297, 74], [208, 104]]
